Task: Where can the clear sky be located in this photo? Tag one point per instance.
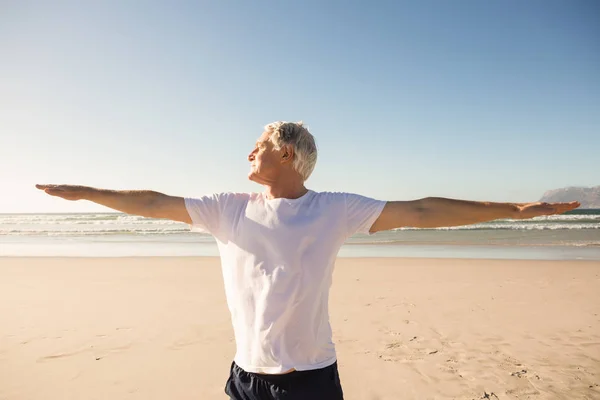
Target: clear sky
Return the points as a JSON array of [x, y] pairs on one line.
[[484, 100]]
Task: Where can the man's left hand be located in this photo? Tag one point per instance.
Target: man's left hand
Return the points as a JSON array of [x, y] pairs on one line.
[[531, 210]]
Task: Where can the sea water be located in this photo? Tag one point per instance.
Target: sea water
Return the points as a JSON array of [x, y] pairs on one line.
[[571, 236]]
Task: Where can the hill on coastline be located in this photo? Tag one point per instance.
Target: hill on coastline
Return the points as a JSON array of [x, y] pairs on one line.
[[589, 197]]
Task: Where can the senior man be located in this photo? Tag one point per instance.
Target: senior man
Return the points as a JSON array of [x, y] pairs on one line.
[[278, 249]]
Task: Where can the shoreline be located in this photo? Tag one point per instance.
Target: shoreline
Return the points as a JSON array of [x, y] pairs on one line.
[[338, 259], [354, 250]]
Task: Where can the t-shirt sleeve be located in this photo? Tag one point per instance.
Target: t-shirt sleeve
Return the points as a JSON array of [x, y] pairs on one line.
[[206, 212], [361, 213]]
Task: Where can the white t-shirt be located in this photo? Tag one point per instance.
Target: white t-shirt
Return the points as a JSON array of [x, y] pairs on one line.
[[277, 257]]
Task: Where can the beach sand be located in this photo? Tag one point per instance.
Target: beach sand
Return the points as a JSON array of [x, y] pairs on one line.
[[159, 328]]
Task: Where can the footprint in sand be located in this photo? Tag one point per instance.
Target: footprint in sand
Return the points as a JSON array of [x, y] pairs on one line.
[[84, 350], [519, 374]]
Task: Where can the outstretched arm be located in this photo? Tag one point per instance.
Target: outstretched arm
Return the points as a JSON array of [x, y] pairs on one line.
[[434, 212], [146, 203]]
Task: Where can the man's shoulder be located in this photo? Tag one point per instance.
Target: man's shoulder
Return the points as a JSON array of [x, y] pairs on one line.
[[235, 196], [222, 197], [329, 197]]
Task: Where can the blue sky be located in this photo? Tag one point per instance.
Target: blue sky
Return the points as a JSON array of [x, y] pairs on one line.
[[484, 100]]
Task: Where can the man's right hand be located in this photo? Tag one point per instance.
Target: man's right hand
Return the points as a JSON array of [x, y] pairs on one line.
[[146, 203], [67, 192]]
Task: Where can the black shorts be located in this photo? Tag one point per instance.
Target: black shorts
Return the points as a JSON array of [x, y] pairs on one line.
[[316, 384]]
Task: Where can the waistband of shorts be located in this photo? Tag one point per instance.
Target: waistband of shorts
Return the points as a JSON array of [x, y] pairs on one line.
[[275, 378]]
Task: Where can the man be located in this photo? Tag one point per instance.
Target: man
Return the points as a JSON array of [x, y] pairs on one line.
[[278, 250]]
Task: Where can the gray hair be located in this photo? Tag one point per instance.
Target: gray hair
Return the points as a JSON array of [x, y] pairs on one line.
[[296, 135]]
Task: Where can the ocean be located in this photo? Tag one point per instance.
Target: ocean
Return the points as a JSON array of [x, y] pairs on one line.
[[571, 236]]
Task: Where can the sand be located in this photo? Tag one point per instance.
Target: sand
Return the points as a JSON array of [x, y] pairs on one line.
[[158, 328]]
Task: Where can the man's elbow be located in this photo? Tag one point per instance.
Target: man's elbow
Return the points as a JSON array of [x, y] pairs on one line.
[[401, 214], [420, 213]]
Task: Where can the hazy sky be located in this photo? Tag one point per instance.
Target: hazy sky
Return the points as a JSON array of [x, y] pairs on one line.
[[487, 100]]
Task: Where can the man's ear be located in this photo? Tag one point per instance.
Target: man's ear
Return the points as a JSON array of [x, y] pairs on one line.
[[288, 154]]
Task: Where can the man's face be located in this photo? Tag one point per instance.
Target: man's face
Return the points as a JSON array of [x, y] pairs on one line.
[[265, 161]]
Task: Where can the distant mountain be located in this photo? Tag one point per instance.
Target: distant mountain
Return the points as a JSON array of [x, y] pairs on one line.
[[589, 197]]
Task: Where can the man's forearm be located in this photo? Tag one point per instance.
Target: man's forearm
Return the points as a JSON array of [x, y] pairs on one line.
[[439, 212], [138, 202]]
